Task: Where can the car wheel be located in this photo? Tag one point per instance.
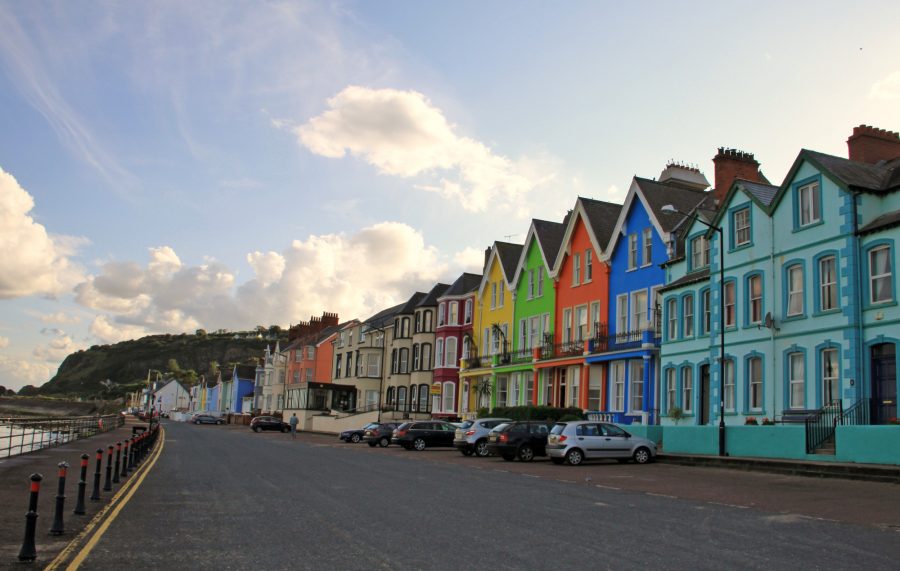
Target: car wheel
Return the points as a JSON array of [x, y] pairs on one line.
[[372, 444], [285, 429], [481, 448], [419, 444], [466, 451], [220, 422], [384, 442], [574, 457], [196, 422], [256, 429], [355, 438], [557, 461], [526, 454], [509, 457], [642, 455]]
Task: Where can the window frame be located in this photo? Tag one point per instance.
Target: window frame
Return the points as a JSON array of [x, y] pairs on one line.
[[749, 302], [788, 268], [733, 214], [814, 185], [819, 285], [870, 249], [647, 246], [632, 251]]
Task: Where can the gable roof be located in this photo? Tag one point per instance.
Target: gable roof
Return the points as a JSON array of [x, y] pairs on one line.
[[430, 299], [653, 196], [466, 283], [384, 316], [412, 302], [599, 220], [548, 236], [507, 255]]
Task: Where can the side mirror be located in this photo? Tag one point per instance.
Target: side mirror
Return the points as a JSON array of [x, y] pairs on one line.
[[627, 435]]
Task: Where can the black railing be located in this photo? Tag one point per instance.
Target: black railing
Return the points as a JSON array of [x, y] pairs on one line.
[[567, 349], [22, 435], [603, 342], [820, 426], [859, 414], [408, 407], [521, 356], [477, 362]]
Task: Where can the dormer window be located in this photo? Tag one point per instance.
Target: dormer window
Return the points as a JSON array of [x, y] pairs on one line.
[[741, 220]]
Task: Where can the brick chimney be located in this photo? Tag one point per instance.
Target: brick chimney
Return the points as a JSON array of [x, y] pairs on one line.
[[870, 144], [329, 319], [731, 164]]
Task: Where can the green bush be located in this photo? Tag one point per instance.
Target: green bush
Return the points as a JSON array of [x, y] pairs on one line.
[[531, 412]]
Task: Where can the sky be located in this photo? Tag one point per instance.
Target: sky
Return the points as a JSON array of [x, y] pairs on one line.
[[169, 166]]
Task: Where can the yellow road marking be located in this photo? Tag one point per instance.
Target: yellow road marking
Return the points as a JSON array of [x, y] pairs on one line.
[[112, 509]]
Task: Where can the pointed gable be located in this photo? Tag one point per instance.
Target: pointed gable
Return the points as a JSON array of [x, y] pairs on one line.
[[599, 219], [507, 255], [548, 237]]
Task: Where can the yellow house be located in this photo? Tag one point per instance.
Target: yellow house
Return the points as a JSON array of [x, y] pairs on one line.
[[492, 327]]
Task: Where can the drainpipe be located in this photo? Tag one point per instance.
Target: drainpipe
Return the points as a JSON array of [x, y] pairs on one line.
[[774, 358], [857, 251]]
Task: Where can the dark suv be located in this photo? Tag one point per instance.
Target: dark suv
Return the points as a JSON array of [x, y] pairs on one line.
[[269, 423], [423, 433], [379, 435], [523, 440]]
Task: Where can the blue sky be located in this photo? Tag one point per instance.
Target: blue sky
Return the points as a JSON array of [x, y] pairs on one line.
[[168, 165]]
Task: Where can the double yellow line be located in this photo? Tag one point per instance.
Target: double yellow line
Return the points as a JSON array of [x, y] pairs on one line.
[[80, 547]]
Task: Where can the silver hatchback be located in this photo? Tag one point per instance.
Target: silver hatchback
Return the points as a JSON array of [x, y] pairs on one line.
[[474, 439], [575, 442]]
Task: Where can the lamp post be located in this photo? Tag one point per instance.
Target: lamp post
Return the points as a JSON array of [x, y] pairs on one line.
[[669, 209]]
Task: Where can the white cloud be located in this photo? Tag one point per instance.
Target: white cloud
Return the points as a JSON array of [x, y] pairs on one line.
[[33, 261], [59, 317], [57, 349], [470, 260], [354, 275], [4, 342], [887, 88], [17, 373], [401, 133]]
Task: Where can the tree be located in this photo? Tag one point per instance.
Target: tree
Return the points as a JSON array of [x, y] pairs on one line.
[[28, 391]]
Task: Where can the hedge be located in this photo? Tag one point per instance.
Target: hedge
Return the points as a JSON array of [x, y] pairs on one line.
[[531, 412]]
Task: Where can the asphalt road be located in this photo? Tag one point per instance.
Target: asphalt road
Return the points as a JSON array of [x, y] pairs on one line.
[[225, 498]]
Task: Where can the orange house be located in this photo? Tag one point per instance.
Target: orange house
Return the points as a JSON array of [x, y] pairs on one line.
[[582, 293]]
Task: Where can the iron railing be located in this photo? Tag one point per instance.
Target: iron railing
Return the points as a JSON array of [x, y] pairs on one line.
[[521, 356], [477, 362], [820, 426], [859, 414], [567, 349], [20, 435]]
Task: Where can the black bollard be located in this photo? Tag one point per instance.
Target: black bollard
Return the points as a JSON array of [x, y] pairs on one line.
[[28, 551], [58, 528], [82, 486], [95, 495], [131, 452], [107, 483], [116, 468], [124, 473]]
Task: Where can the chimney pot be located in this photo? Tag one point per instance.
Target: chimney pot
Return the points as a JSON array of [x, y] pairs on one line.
[[871, 145]]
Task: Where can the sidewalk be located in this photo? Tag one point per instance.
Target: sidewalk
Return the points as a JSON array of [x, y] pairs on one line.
[[850, 471], [14, 493]]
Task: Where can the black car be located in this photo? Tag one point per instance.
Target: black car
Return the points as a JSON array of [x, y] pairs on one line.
[[206, 419], [356, 435], [380, 434], [269, 423], [523, 440], [420, 434]]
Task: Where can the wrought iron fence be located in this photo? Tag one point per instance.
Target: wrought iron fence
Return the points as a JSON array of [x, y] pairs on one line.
[[20, 435], [820, 426], [567, 349]]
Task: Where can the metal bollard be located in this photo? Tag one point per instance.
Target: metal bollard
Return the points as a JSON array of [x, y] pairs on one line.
[[95, 495], [124, 473], [116, 468], [107, 483], [28, 551], [82, 486], [58, 528], [132, 452]]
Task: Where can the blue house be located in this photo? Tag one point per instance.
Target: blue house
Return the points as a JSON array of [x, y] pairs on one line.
[[243, 378], [625, 350]]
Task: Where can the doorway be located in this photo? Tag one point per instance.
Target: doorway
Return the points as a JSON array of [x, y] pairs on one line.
[[884, 383], [705, 401]]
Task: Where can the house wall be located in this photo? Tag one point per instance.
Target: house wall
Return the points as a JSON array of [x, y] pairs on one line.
[[525, 308]]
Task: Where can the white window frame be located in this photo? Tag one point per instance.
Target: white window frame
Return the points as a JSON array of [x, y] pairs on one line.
[[876, 277], [648, 246], [622, 313], [755, 307], [795, 293], [636, 381], [640, 318], [588, 265], [453, 313], [797, 383], [451, 362], [687, 389], [576, 269], [632, 251], [741, 220], [830, 375], [730, 286], [439, 353], [540, 281], [729, 385], [617, 385], [671, 389], [808, 204], [672, 319], [828, 298]]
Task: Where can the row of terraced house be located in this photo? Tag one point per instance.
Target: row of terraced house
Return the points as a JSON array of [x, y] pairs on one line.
[[627, 310]]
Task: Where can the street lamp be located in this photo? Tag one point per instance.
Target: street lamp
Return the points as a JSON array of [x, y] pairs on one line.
[[669, 209]]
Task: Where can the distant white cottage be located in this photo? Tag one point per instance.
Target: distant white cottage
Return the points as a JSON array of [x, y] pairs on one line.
[[171, 396]]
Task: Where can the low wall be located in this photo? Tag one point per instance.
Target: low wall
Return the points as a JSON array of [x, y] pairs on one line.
[[654, 433], [870, 444], [334, 425], [859, 444]]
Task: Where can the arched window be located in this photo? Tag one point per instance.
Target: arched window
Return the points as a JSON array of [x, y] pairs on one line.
[[451, 352], [423, 398], [449, 398], [418, 322], [394, 366], [413, 398], [415, 363], [468, 316], [401, 398], [404, 327], [389, 398], [427, 319], [404, 360], [426, 357], [439, 354]]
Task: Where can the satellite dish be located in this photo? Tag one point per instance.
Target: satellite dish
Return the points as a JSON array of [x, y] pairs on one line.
[[769, 321]]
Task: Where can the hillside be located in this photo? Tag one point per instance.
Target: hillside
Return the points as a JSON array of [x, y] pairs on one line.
[[127, 363]]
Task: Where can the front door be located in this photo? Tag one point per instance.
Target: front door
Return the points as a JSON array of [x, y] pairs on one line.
[[884, 383], [705, 401]]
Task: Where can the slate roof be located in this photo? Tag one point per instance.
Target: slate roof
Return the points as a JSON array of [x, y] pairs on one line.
[[691, 278], [550, 236], [660, 194], [602, 217], [884, 221], [430, 299], [384, 316], [509, 258], [464, 284], [412, 302], [764, 193], [864, 177]]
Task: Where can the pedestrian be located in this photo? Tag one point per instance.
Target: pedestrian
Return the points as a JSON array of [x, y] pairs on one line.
[[294, 420]]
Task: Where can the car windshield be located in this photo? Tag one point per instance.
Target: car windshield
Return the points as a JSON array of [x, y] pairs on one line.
[[466, 424], [370, 425], [558, 428]]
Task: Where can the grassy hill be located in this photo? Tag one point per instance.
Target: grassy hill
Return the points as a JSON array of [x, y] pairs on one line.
[[126, 364]]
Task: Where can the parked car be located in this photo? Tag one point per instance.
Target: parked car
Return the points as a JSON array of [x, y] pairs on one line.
[[574, 442], [261, 423], [424, 433], [356, 435], [206, 419], [523, 440], [380, 434], [474, 439]]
